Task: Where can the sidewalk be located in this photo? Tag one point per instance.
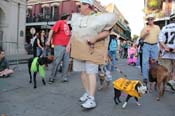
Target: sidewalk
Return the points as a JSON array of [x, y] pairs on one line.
[[18, 58], [18, 98]]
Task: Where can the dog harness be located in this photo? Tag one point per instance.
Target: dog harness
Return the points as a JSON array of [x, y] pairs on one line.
[[127, 86], [35, 67]]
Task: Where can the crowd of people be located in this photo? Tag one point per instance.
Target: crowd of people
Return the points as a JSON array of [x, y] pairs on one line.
[[92, 32]]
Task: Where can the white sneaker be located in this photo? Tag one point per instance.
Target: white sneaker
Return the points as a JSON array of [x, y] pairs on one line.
[[89, 104], [84, 97], [138, 67]]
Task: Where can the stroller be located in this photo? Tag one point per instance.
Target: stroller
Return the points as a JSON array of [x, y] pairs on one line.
[[132, 59]]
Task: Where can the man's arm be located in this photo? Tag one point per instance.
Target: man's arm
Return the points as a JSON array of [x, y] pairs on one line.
[[68, 47], [99, 37], [164, 46], [49, 37]]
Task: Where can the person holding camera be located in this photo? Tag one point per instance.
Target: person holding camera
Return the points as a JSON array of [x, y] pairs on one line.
[[167, 46]]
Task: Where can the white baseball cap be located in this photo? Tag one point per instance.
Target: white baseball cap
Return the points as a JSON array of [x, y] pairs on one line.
[[91, 2], [150, 16]]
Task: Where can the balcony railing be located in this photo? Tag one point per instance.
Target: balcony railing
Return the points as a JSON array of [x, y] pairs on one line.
[[38, 18]]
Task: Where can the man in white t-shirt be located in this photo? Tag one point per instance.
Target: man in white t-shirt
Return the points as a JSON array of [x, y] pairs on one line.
[[89, 43], [167, 46]]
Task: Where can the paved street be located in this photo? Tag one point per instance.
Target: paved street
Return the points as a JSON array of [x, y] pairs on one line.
[[18, 98]]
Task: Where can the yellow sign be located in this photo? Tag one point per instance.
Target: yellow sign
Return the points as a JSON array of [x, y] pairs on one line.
[[152, 3]]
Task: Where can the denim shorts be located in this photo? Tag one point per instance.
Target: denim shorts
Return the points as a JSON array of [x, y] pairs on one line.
[[85, 66]]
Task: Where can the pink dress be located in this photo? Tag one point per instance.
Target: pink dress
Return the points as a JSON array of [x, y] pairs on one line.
[[131, 56]]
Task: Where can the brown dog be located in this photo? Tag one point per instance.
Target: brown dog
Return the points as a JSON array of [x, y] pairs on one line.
[[104, 82], [160, 75]]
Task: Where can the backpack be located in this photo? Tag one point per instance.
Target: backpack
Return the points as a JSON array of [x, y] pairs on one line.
[[112, 44]]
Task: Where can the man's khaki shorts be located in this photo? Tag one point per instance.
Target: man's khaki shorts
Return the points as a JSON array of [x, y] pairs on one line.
[[85, 66]]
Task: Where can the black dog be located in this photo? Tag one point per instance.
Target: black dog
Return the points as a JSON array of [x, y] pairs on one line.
[[123, 85], [40, 62]]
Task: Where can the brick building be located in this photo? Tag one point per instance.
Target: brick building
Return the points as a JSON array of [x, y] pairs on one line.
[[41, 14], [161, 8]]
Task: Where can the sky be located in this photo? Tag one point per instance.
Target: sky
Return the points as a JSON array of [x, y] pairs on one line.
[[132, 11]]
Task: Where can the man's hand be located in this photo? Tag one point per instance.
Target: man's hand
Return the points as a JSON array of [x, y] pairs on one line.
[[91, 41], [49, 38], [173, 50], [48, 43], [68, 48], [169, 50], [100, 36], [146, 33]]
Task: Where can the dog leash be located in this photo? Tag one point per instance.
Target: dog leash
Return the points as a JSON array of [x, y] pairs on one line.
[[120, 71]]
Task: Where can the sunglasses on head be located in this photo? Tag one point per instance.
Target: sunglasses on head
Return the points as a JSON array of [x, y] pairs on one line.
[[83, 3], [150, 19]]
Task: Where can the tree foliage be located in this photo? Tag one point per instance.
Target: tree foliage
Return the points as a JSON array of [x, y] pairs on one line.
[[135, 37]]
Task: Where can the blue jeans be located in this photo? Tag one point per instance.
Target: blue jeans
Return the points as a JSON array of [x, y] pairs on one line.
[[112, 54], [138, 60], [60, 54], [149, 51], [39, 52]]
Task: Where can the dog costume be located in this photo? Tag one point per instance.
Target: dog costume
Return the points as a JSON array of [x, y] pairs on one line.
[[127, 86], [37, 68]]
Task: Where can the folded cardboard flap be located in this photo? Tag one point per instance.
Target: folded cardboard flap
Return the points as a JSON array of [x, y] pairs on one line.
[[82, 51]]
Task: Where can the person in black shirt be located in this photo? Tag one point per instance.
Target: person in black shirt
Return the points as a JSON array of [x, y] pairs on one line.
[[41, 47]]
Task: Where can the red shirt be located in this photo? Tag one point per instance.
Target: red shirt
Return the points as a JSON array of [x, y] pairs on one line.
[[61, 34]]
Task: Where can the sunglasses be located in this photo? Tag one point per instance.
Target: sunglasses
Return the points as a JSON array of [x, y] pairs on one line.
[[150, 19], [84, 3]]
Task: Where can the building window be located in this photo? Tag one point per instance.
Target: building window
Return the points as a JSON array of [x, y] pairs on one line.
[[29, 15], [45, 12], [54, 13], [29, 11]]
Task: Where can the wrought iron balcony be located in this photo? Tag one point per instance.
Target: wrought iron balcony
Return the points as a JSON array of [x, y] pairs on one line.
[[39, 18]]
